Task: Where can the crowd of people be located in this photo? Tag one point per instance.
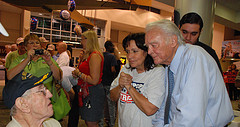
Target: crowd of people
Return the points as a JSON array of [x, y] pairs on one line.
[[171, 79]]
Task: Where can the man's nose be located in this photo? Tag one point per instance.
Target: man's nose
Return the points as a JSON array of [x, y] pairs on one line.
[[188, 37], [48, 94], [149, 50]]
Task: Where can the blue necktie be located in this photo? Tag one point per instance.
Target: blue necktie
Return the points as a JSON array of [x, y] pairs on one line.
[[168, 102]]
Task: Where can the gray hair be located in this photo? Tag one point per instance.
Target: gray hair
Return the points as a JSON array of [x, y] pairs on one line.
[[13, 110], [167, 27]]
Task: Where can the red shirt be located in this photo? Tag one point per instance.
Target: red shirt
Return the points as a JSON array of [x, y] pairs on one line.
[[84, 68]]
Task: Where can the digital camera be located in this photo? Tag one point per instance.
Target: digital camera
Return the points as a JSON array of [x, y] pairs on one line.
[[38, 51]]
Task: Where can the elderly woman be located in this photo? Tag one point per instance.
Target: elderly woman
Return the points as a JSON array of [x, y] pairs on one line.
[[36, 64], [139, 88], [89, 74]]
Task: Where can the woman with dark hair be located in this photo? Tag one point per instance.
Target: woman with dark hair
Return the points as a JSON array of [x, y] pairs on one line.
[[139, 88]]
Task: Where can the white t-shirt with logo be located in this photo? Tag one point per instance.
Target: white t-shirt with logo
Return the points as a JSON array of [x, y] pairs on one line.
[[151, 85]]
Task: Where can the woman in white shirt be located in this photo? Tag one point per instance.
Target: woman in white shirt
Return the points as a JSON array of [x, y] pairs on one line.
[[139, 88]]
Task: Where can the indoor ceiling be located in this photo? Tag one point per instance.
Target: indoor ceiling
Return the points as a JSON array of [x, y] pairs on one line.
[[97, 4], [232, 4], [48, 5]]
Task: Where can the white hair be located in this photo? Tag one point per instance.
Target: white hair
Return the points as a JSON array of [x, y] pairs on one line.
[[13, 110], [167, 27]]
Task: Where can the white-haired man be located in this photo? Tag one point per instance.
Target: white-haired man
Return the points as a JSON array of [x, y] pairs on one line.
[[63, 59], [196, 95]]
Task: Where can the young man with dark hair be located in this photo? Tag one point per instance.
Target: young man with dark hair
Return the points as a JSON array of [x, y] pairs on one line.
[[191, 26]]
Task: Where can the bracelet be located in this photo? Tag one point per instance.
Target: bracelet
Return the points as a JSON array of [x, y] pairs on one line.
[[85, 78], [80, 75]]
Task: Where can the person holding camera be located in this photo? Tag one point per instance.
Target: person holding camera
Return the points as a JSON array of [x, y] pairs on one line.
[[36, 61]]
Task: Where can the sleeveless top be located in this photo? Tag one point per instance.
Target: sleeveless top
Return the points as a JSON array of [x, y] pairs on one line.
[[84, 68]]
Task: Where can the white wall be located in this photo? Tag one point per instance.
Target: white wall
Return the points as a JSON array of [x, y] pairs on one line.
[[218, 37]]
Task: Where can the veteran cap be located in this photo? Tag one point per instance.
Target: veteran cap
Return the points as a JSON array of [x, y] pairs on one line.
[[19, 85]]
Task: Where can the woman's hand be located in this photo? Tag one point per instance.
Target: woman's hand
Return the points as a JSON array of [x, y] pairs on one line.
[[47, 57], [76, 73], [30, 54], [125, 80]]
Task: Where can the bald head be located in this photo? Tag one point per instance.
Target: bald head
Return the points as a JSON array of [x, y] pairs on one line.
[[61, 47]]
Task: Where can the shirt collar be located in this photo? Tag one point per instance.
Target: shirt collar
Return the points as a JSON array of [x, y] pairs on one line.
[[178, 57]]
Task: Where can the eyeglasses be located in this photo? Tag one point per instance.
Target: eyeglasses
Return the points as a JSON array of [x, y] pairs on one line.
[[42, 90]]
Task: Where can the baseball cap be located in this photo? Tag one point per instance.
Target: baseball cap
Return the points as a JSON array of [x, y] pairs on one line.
[[51, 47], [43, 39], [19, 40], [19, 85]]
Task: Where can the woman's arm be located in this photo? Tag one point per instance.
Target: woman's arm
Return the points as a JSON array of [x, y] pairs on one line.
[[115, 93], [17, 69], [57, 73], [95, 70], [141, 101]]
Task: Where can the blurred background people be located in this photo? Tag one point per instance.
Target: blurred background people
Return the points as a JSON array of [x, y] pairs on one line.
[[51, 49], [13, 55], [7, 50], [81, 57], [14, 47], [63, 59], [109, 74], [73, 116], [29, 101], [232, 73], [139, 88], [89, 74], [71, 60], [43, 42], [117, 56]]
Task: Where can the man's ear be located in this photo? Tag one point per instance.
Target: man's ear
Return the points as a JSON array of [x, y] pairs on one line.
[[174, 40], [22, 104], [200, 31]]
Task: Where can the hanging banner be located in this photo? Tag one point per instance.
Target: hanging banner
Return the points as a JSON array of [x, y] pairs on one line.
[[231, 49]]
